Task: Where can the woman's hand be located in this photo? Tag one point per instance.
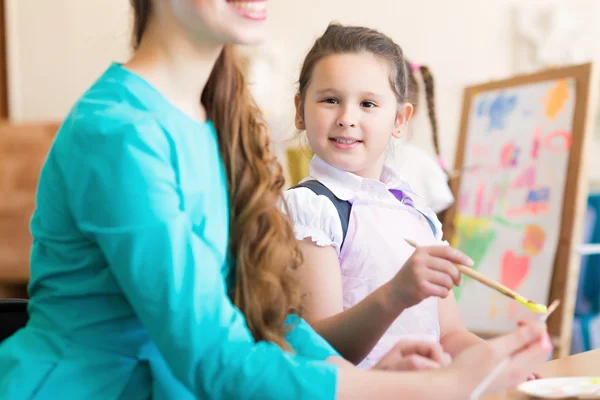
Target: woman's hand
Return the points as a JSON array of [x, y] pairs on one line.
[[414, 356], [526, 348]]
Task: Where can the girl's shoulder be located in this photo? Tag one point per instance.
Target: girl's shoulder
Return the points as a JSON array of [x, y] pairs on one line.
[[314, 216]]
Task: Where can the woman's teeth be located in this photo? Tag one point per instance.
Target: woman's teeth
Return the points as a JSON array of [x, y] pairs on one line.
[[256, 6]]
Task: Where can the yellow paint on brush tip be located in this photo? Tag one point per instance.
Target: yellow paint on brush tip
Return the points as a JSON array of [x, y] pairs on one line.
[[538, 308], [593, 381]]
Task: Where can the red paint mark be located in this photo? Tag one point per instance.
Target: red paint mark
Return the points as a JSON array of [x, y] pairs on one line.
[[529, 209], [559, 141], [514, 269]]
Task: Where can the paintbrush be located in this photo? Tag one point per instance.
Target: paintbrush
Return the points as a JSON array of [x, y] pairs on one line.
[[492, 375], [538, 308], [533, 306]]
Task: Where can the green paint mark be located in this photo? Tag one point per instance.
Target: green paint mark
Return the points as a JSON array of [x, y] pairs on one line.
[[475, 242], [503, 221]]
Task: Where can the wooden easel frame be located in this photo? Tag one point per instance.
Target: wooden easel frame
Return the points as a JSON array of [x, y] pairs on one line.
[[566, 263]]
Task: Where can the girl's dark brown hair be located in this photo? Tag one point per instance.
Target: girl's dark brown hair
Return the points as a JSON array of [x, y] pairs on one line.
[[429, 85], [413, 94], [339, 39], [263, 247]]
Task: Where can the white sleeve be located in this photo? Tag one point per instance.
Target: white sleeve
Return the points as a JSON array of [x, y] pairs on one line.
[[315, 217]]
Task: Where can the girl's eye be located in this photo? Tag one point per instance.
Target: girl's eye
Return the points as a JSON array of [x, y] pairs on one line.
[[368, 104], [330, 101]]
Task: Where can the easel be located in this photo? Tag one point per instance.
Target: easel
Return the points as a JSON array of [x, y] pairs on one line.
[[566, 263]]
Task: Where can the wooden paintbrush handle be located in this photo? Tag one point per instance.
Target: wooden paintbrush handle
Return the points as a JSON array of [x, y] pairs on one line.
[[487, 281]]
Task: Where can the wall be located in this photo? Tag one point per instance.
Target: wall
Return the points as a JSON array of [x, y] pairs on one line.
[[58, 47]]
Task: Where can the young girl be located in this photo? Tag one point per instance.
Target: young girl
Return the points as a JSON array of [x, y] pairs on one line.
[[161, 267], [366, 287]]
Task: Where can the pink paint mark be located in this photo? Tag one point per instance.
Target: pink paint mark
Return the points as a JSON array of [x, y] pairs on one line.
[[490, 205], [525, 179], [479, 199], [537, 142], [509, 157], [479, 151], [463, 202], [514, 269]]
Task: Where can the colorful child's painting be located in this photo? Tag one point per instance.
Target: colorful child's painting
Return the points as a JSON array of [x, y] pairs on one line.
[[511, 195]]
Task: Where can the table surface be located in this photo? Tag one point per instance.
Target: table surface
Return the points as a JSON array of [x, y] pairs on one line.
[[583, 364]]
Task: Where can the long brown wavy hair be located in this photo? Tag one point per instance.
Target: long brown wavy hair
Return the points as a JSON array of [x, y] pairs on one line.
[[263, 247]]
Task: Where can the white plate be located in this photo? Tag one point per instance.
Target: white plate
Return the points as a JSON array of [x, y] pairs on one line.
[[560, 388]]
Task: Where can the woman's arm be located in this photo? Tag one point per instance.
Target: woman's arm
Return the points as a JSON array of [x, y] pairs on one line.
[[525, 349], [352, 332]]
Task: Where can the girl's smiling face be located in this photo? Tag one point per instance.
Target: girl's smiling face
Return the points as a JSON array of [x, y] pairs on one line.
[[350, 111]]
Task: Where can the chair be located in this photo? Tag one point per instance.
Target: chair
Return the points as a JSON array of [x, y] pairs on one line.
[[23, 150], [13, 316]]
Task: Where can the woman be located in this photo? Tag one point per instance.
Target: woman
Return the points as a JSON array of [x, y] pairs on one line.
[[154, 209]]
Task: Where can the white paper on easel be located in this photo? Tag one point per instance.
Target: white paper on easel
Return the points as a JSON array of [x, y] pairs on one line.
[[509, 210]]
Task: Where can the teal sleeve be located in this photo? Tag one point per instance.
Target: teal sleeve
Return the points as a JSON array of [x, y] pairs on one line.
[[124, 197], [307, 342]]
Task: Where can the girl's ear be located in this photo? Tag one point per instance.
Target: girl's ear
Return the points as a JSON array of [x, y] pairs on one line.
[[405, 112], [299, 113]]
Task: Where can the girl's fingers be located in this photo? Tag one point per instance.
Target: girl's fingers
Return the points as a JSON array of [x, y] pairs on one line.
[[440, 279], [446, 267], [450, 254]]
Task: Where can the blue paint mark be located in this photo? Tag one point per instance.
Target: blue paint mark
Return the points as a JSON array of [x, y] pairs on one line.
[[540, 195], [500, 109], [481, 107]]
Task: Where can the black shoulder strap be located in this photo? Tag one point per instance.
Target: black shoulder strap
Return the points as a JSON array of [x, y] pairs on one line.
[[343, 207]]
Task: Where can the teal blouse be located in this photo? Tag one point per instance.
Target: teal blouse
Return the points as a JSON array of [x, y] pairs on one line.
[[129, 269]]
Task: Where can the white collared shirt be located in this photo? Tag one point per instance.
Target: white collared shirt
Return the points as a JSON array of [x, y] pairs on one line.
[[315, 217], [423, 173]]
